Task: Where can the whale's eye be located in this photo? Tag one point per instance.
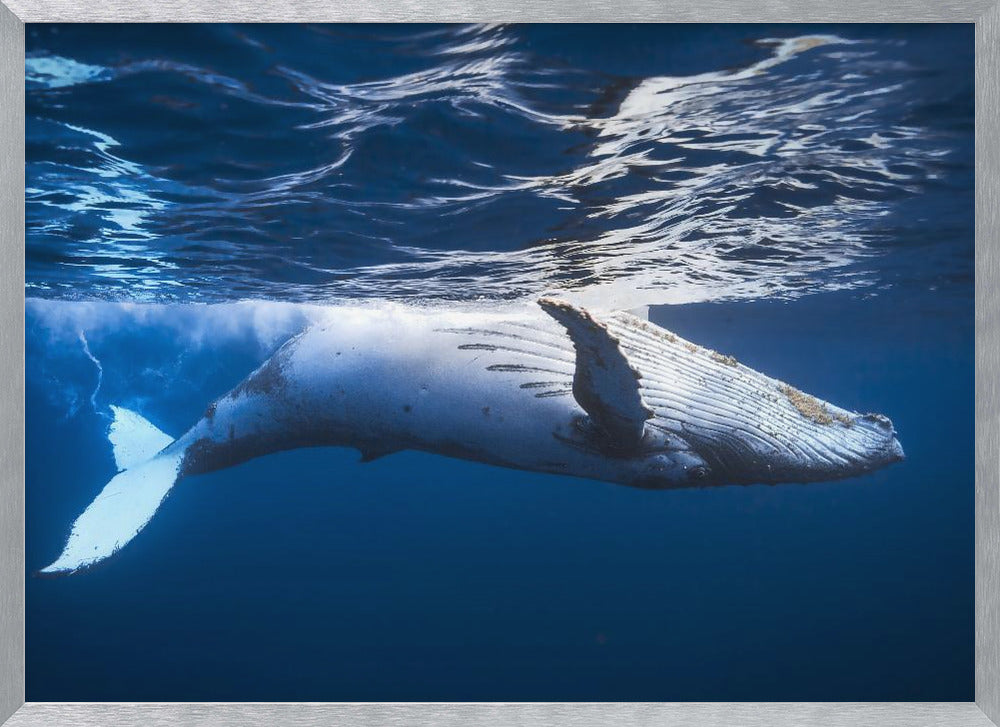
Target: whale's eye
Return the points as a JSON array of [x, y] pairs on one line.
[[698, 473]]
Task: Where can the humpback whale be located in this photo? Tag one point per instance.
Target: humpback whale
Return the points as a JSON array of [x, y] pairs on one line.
[[554, 388]]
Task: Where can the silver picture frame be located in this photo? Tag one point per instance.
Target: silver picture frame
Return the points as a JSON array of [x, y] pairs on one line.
[[985, 14]]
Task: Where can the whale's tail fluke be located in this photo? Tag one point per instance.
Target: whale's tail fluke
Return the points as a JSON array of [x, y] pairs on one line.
[[149, 467]]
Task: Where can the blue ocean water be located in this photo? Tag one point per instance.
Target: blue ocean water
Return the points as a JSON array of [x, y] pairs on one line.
[[799, 196]]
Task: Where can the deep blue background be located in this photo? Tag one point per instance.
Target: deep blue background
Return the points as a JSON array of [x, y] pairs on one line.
[[310, 576], [307, 575]]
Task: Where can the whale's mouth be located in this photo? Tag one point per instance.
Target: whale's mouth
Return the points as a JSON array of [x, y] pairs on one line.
[[884, 445]]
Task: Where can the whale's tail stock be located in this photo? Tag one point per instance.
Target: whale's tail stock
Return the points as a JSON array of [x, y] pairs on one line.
[[148, 467]]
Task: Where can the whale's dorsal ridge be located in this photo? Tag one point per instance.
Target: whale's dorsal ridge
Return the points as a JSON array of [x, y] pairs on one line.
[[605, 384]]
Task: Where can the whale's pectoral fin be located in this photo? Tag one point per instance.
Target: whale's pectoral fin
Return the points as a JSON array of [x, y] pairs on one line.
[[129, 500], [605, 384]]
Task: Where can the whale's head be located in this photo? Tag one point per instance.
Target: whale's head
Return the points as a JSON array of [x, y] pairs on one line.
[[741, 427], [677, 414], [726, 423]]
